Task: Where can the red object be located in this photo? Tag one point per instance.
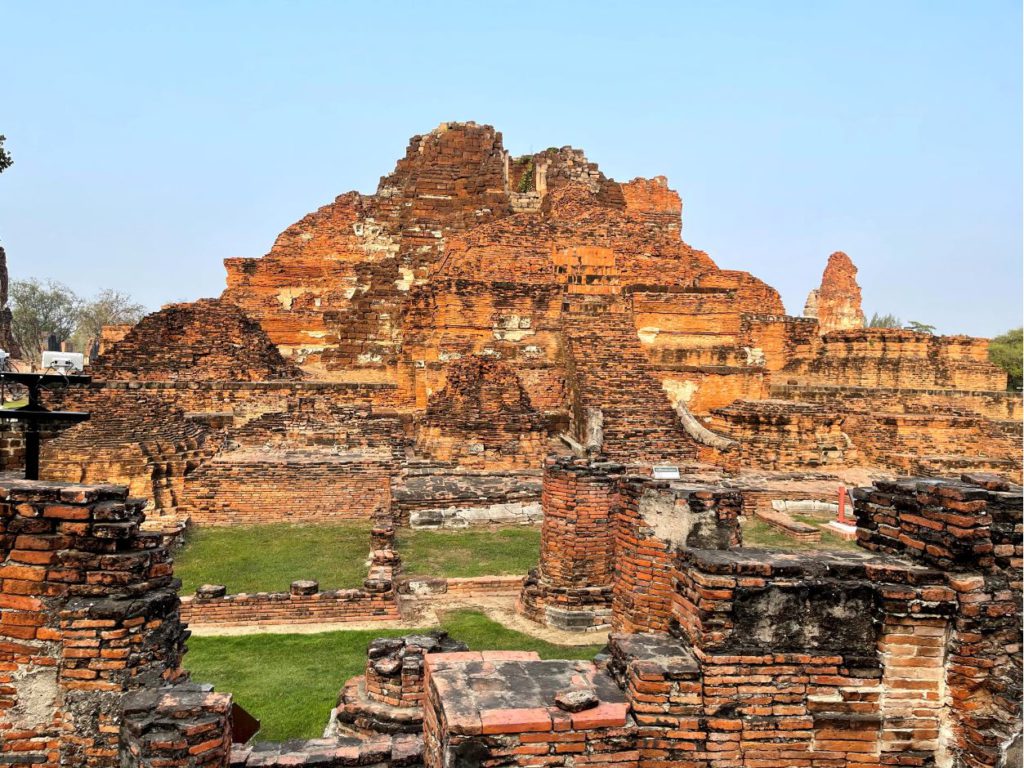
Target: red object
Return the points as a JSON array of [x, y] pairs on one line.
[[842, 505]]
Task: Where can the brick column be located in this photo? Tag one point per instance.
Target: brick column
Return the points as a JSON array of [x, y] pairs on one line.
[[653, 520], [572, 587], [89, 611]]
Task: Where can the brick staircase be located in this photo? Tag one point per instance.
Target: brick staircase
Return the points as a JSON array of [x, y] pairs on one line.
[[609, 370]]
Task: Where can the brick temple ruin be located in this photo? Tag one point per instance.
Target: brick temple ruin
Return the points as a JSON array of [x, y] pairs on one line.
[[495, 339], [481, 310]]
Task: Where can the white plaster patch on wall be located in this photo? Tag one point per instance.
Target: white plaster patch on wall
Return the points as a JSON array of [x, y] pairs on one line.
[[368, 358], [755, 356], [404, 282], [306, 236], [512, 327], [679, 391], [447, 357], [670, 520], [522, 513], [287, 296], [375, 241], [648, 334], [36, 694]]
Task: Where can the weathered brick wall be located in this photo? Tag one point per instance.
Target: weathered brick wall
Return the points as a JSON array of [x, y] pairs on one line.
[[707, 387], [515, 322], [251, 488], [807, 658], [999, 406], [427, 495], [134, 439], [784, 435], [607, 370], [973, 531], [937, 444], [482, 419], [243, 400], [12, 446], [375, 602], [90, 611], [886, 357], [778, 338]]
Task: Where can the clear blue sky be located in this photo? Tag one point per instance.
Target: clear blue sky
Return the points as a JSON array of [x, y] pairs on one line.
[[151, 140]]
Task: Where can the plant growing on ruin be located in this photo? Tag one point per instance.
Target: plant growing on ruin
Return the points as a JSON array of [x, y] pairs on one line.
[[1007, 351], [884, 321], [526, 180]]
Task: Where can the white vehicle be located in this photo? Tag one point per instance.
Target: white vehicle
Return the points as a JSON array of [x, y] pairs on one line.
[[63, 362]]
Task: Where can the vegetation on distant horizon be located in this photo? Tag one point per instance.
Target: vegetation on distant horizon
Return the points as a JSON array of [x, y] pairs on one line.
[[884, 321], [40, 310], [1007, 351], [290, 682], [892, 321]]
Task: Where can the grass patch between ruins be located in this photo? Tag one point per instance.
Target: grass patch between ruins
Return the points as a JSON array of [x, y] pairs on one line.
[[268, 558], [469, 552], [291, 682], [758, 534]]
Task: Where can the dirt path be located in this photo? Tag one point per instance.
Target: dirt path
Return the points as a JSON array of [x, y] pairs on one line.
[[419, 614]]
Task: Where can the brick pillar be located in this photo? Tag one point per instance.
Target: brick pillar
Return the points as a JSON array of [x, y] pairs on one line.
[[654, 519], [89, 612], [572, 587]]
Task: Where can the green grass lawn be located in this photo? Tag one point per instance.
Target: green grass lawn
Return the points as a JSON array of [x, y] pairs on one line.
[[291, 682], [469, 552], [757, 533], [268, 558]]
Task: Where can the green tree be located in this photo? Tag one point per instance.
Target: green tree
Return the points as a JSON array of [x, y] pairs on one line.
[[913, 325], [6, 161], [40, 310], [108, 308], [884, 321], [1007, 351]]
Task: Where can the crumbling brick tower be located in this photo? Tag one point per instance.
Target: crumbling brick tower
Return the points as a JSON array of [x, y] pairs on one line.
[[572, 587], [89, 612]]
